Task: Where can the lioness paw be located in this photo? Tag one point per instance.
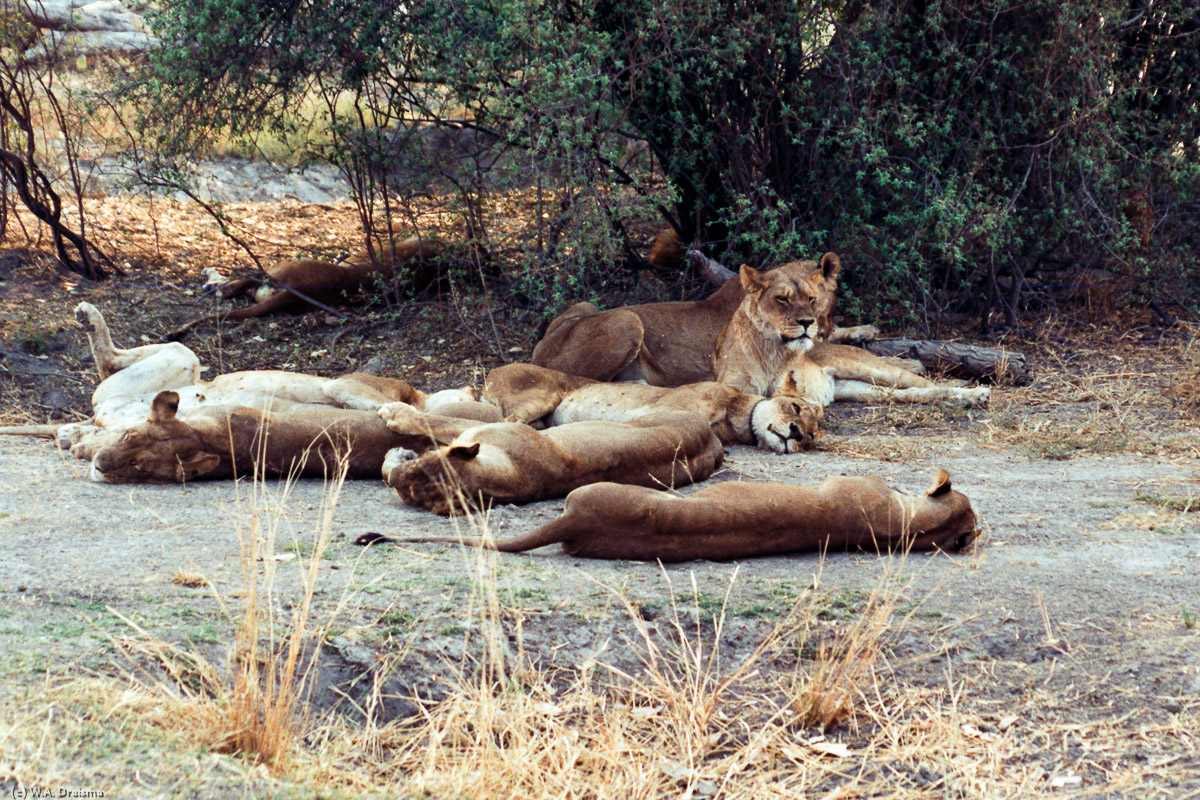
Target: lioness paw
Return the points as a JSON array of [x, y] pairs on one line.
[[978, 396], [395, 457], [88, 317], [398, 412]]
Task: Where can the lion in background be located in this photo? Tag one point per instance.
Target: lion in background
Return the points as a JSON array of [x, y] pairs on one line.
[[327, 282]]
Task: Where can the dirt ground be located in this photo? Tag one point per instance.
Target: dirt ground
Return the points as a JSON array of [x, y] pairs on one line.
[[1069, 635]]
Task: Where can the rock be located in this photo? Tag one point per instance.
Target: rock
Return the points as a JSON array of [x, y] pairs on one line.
[[377, 365], [101, 26], [66, 15]]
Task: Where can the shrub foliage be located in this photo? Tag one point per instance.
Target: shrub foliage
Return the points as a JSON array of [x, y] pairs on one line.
[[959, 155]]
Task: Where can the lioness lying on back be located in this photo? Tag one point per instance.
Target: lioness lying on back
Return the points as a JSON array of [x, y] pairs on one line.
[[740, 520], [532, 394], [771, 346], [132, 378], [671, 344], [226, 441], [510, 462]]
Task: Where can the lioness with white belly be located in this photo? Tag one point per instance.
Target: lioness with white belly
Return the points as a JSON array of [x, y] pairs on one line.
[[741, 520], [132, 378], [536, 395], [511, 462]]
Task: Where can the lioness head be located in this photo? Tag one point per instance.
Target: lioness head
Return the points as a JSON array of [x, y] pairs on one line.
[[160, 450], [433, 480], [785, 424], [793, 304]]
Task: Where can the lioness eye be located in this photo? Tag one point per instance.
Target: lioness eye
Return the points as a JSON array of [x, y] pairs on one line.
[[781, 299]]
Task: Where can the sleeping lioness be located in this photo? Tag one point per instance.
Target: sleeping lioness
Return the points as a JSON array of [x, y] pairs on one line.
[[131, 379], [510, 462], [226, 441], [740, 520], [326, 282], [545, 397], [671, 344]]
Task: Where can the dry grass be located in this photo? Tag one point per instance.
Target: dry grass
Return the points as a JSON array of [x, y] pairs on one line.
[[252, 707]]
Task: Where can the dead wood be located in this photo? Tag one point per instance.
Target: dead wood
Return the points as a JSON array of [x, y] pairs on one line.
[[958, 360]]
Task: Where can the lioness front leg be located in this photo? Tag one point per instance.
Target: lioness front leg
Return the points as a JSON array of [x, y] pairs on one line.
[[860, 392], [403, 419]]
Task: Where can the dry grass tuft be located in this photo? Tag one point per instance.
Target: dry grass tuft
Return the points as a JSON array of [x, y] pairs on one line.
[[253, 707], [825, 694], [192, 580]]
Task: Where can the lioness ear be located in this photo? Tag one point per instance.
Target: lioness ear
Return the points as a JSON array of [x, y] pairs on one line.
[[164, 406], [197, 465], [752, 280], [941, 484], [465, 450], [830, 266]]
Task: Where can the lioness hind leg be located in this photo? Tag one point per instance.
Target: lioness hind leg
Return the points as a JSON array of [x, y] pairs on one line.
[[599, 346], [108, 357]]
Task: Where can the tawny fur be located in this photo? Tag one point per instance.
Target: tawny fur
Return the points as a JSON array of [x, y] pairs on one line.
[[513, 463], [224, 441], [776, 318], [772, 346], [326, 282], [545, 397], [664, 344], [742, 520], [828, 372], [131, 379]]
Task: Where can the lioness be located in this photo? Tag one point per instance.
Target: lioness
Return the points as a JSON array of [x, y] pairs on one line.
[[671, 344], [533, 394], [740, 520], [510, 462], [772, 346], [131, 378], [225, 441], [321, 280]]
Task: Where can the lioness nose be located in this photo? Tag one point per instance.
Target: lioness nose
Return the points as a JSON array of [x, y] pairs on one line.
[[804, 322]]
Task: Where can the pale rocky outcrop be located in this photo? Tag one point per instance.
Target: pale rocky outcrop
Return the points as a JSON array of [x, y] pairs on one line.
[[83, 27]]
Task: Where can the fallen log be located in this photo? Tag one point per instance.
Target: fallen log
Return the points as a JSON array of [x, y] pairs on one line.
[[958, 360]]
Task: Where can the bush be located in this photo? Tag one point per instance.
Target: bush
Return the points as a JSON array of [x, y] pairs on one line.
[[958, 156]]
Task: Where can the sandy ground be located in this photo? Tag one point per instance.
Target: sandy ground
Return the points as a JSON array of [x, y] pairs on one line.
[[1073, 568]]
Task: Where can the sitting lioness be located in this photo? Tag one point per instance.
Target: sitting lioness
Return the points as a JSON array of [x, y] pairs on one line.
[[321, 280], [545, 398], [774, 347], [224, 441], [740, 520], [671, 344], [510, 462]]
